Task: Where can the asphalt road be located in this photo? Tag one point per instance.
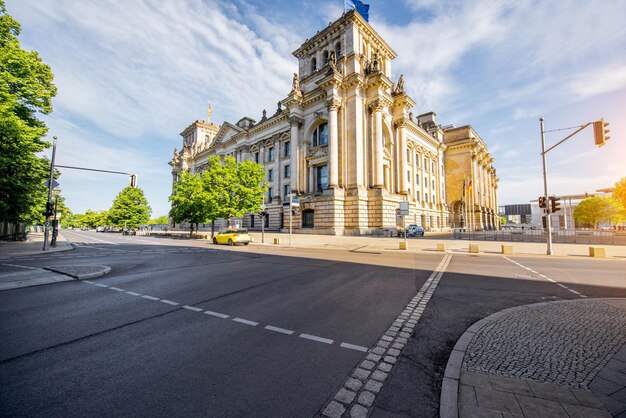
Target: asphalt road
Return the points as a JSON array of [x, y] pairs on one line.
[[188, 328]]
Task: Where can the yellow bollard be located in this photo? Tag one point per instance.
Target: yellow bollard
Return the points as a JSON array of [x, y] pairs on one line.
[[597, 252], [473, 248], [402, 245], [441, 246], [507, 249], [277, 241]]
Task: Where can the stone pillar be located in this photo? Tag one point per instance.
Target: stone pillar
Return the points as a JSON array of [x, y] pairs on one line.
[[402, 186], [295, 150], [333, 143], [379, 179]]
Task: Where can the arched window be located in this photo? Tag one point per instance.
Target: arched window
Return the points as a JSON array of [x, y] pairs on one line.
[[313, 65], [308, 218], [325, 55], [338, 49], [320, 135]]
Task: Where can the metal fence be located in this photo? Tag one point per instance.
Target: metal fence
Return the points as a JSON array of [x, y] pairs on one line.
[[559, 236]]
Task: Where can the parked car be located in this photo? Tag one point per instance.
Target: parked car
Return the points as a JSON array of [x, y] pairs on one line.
[[414, 231], [232, 237], [99, 229], [128, 231]]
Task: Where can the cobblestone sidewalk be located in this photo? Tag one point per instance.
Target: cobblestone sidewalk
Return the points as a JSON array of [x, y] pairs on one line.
[[555, 359]]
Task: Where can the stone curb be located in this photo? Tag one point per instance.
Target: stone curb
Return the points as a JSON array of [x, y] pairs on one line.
[[104, 270], [67, 246], [449, 400]]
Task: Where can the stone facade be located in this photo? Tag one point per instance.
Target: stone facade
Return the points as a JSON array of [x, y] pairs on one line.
[[344, 140]]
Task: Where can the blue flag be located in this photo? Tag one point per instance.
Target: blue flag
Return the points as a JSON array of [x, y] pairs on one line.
[[362, 8]]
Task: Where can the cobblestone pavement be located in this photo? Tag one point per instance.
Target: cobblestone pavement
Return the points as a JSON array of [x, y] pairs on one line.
[[555, 359], [563, 343]]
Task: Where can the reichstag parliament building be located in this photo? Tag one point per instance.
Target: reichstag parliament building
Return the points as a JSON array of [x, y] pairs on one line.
[[346, 142]]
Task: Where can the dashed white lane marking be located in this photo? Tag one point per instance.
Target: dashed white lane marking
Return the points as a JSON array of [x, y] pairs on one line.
[[246, 321], [547, 278], [316, 338], [354, 347], [281, 330], [169, 302], [22, 267], [219, 315], [235, 319]]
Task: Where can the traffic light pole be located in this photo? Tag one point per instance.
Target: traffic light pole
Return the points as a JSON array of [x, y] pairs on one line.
[[600, 135], [49, 201], [545, 187]]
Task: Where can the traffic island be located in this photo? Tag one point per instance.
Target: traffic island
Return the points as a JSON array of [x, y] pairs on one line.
[[80, 272]]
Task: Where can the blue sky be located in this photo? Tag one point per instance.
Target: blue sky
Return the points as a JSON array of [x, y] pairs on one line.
[[133, 74]]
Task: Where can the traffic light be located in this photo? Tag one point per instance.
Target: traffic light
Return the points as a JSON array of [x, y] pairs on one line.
[[262, 215], [542, 202], [600, 132], [49, 209], [554, 202], [133, 180]]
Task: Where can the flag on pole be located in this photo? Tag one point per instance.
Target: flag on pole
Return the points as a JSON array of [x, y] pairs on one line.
[[360, 7]]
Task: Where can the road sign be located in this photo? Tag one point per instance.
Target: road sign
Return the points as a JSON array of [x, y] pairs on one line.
[[404, 208], [55, 183], [295, 203]]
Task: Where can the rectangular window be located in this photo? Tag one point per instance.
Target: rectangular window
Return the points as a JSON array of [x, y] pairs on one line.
[[270, 175], [270, 194], [287, 149], [408, 155], [270, 154], [417, 179], [287, 171], [408, 176], [432, 166], [425, 181], [256, 157], [322, 178], [433, 184], [286, 190], [417, 159], [320, 135], [425, 163], [426, 197], [252, 220]]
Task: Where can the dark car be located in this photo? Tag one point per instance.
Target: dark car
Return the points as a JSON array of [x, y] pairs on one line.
[[414, 231]]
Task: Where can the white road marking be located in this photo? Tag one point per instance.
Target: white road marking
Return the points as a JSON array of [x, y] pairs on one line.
[[93, 238], [548, 279], [169, 302], [281, 330], [22, 267], [316, 338], [134, 293], [149, 297], [245, 321], [354, 347], [88, 281], [219, 315], [192, 308], [101, 285], [117, 288]]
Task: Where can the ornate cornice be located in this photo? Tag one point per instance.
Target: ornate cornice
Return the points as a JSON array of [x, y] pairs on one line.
[[333, 104]]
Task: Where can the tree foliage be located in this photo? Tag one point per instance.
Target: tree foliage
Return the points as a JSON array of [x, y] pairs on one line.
[[159, 220], [130, 208], [26, 89], [619, 193], [226, 189], [597, 209]]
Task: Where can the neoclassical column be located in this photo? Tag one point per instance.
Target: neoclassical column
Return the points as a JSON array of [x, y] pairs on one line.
[[294, 122], [401, 126], [333, 143], [379, 177]]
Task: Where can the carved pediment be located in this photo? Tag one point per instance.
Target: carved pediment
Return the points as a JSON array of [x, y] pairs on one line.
[[316, 153], [226, 131]]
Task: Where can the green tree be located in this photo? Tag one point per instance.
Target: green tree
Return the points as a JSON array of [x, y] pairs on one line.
[[191, 201], [619, 194], [130, 208], [238, 187], [160, 220], [596, 209], [26, 89]]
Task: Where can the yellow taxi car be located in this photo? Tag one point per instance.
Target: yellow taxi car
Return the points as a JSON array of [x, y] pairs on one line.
[[232, 237]]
